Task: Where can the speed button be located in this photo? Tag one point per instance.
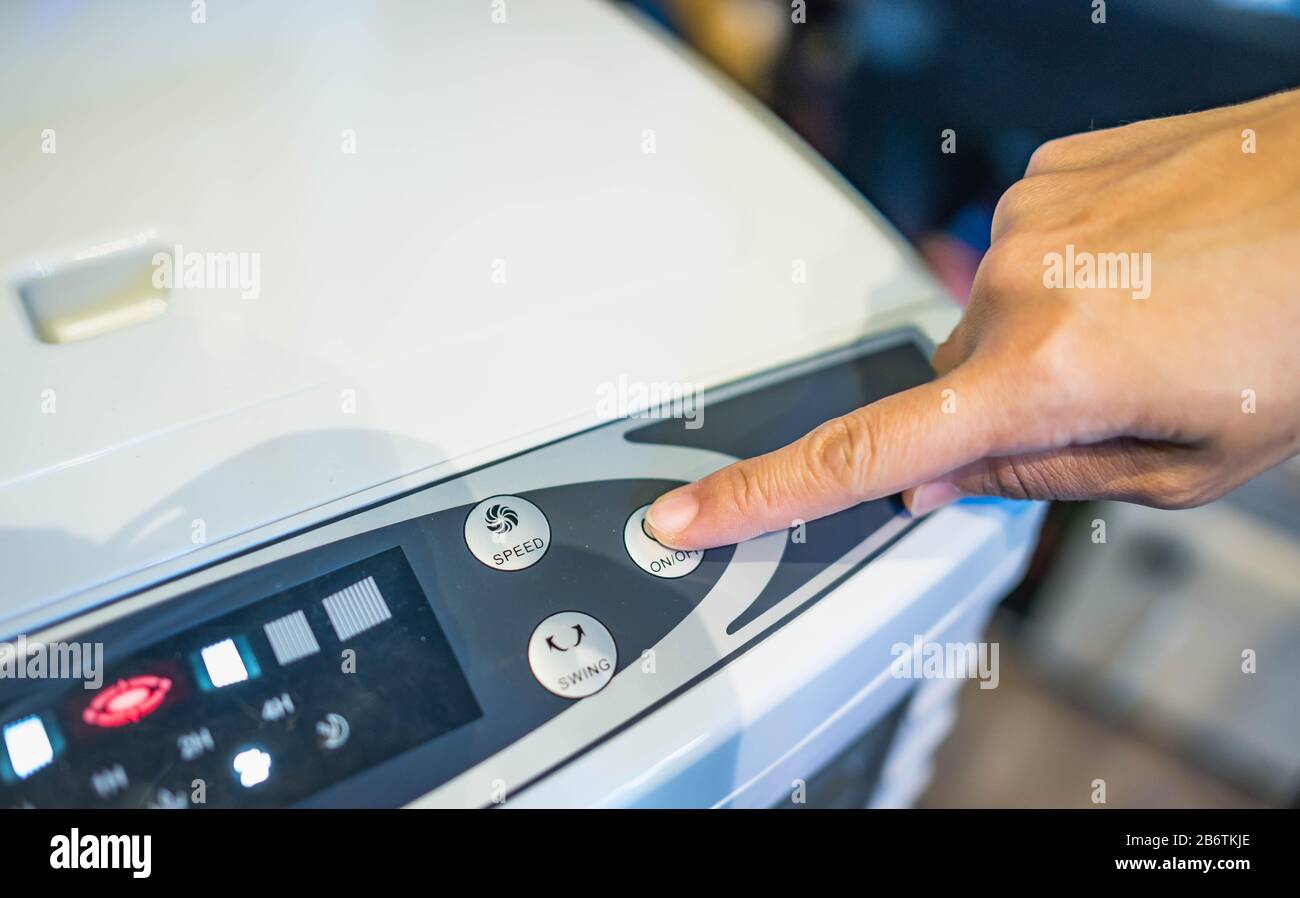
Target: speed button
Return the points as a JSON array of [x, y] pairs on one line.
[[572, 654], [654, 557], [507, 533]]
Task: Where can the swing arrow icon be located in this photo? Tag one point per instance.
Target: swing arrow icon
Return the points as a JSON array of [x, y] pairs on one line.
[[550, 640]]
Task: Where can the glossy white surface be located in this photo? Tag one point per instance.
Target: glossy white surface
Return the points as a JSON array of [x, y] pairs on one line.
[[499, 246]]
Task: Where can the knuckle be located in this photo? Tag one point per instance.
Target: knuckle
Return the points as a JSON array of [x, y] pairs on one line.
[[1012, 202], [745, 488], [998, 270], [1008, 267], [840, 453], [1177, 489], [1034, 203], [1052, 155]]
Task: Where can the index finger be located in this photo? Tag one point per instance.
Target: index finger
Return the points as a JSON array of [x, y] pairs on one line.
[[880, 449]]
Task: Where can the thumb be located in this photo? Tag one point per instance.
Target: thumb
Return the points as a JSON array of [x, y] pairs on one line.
[[1125, 469], [875, 451]]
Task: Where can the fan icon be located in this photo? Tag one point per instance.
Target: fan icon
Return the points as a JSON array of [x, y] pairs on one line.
[[501, 518]]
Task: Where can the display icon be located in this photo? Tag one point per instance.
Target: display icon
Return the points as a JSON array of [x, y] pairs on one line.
[[253, 765], [291, 638], [126, 701], [333, 731], [195, 743], [28, 746], [109, 781], [225, 663], [168, 800], [356, 609], [278, 707]]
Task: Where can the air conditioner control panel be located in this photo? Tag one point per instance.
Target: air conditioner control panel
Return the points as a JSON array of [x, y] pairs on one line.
[[465, 637]]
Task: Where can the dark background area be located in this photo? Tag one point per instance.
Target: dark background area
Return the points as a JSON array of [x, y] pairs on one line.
[[874, 84]]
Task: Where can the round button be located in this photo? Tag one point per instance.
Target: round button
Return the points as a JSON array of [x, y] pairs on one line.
[[507, 533], [572, 654], [654, 557]]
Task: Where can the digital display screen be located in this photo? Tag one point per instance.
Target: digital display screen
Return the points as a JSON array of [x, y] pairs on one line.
[[262, 706]]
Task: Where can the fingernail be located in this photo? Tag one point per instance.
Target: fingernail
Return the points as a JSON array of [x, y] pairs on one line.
[[929, 496], [673, 512]]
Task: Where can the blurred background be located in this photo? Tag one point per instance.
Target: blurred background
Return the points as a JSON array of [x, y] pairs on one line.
[[1163, 658]]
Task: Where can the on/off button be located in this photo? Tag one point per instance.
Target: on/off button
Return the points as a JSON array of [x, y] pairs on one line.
[[654, 557]]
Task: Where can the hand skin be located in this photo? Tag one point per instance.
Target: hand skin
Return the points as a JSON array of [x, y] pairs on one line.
[[1080, 393]]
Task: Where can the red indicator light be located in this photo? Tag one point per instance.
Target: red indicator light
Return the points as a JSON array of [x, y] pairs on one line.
[[126, 701]]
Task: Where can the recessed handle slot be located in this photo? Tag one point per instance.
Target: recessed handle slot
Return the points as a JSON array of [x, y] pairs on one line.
[[91, 296]]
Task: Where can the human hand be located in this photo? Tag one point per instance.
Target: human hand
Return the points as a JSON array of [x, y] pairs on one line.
[[1174, 380]]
